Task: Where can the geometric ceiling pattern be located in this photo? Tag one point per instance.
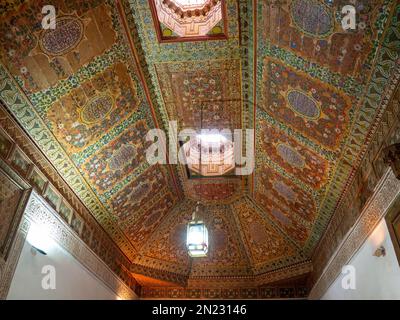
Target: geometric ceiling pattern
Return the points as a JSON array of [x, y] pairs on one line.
[[88, 92]]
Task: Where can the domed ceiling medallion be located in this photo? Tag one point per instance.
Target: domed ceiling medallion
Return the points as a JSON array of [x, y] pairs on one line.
[[187, 20]]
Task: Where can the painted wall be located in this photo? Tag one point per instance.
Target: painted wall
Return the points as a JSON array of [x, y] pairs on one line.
[[73, 281], [376, 278]]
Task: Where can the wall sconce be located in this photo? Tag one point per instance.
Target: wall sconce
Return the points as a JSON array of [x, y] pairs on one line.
[[380, 252], [39, 239]]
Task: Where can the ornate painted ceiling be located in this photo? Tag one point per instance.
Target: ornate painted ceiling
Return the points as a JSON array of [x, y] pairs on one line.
[[88, 92]]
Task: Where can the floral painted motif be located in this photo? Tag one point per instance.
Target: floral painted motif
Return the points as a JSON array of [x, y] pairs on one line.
[[295, 158], [264, 243], [306, 78], [42, 57], [97, 109], [83, 116], [139, 230], [312, 29], [139, 194], [189, 88], [101, 169], [316, 110], [286, 192]]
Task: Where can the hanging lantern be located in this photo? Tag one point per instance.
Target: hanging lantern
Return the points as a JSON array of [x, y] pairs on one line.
[[197, 233], [197, 237]]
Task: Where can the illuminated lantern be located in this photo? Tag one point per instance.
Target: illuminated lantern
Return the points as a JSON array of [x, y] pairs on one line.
[[197, 237]]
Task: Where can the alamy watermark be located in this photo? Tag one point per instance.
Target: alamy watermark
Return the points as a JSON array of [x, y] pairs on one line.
[[349, 277], [49, 278], [49, 20], [349, 16]]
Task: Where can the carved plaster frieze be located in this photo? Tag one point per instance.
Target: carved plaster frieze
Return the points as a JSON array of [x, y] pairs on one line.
[[387, 191], [39, 212]]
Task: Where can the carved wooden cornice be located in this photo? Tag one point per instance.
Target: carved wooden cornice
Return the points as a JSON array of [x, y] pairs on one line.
[[224, 282], [270, 292]]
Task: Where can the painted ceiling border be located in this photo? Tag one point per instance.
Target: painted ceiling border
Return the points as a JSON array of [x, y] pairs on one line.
[[384, 78], [384, 69]]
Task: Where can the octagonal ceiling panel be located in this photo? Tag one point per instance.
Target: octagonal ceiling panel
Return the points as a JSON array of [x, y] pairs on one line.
[[177, 21], [88, 92]]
